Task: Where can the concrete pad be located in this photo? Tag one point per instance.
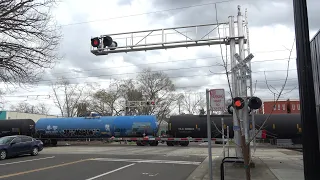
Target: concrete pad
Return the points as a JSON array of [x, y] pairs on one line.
[[270, 164]]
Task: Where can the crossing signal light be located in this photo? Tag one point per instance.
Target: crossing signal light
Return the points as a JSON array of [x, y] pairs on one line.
[[151, 103], [230, 109], [108, 41], [238, 103], [95, 42], [254, 103]]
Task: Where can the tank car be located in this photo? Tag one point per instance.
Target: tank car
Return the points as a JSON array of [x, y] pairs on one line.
[[54, 129], [280, 126], [17, 127]]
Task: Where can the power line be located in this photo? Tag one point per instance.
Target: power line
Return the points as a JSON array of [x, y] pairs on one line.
[[153, 12]]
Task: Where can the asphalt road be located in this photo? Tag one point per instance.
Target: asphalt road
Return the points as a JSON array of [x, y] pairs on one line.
[[112, 163]]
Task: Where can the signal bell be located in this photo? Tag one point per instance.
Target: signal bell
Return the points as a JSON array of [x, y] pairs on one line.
[[255, 102]]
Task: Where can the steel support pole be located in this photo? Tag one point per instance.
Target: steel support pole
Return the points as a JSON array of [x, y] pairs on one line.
[[228, 139], [222, 130], [243, 87], [251, 87], [311, 154], [209, 132], [234, 83]]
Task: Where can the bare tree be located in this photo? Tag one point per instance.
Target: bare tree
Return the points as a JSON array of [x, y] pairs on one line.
[[24, 107], [68, 96], [2, 101], [104, 101], [42, 108], [193, 102], [158, 87], [29, 40]]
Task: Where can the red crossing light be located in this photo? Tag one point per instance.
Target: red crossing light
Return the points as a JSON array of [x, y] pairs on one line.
[[153, 103], [95, 42], [238, 102]]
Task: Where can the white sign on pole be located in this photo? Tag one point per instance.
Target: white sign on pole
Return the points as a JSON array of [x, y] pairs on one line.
[[217, 100]]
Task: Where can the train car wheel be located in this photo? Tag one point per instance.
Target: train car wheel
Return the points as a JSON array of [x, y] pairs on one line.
[[169, 143], [54, 142], [184, 143], [154, 143], [138, 143]]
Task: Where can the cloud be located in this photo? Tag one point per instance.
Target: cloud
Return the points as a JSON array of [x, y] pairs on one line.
[[194, 68]]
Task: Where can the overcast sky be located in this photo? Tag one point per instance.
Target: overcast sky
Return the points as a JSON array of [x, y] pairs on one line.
[[271, 31]]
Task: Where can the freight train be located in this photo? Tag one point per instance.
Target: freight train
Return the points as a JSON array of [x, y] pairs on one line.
[[181, 129]]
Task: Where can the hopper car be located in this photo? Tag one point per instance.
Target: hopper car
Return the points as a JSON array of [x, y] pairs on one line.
[[182, 129]]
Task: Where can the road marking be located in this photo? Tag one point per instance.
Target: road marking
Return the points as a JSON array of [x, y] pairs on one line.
[[17, 162], [148, 161], [41, 169], [111, 171]]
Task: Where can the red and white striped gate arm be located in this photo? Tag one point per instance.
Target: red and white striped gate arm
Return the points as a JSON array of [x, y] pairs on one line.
[[162, 139]]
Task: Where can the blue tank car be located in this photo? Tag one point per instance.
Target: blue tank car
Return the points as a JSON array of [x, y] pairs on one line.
[[96, 127]]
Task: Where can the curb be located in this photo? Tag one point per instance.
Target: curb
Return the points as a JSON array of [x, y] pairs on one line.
[[200, 171]]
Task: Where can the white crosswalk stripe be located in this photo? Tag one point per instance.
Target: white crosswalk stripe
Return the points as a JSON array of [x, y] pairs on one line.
[[128, 150], [148, 161]]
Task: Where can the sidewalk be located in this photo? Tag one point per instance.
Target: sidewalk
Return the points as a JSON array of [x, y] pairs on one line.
[[270, 164]]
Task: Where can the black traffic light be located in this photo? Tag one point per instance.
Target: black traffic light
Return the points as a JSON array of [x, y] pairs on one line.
[[238, 102], [108, 41], [254, 102], [230, 109], [95, 42], [151, 103]]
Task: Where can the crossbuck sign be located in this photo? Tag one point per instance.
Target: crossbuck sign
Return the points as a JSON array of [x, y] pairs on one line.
[[217, 99], [242, 64]]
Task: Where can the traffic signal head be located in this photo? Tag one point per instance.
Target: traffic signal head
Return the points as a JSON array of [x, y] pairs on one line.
[[95, 42], [255, 102], [108, 41], [230, 109], [151, 103], [238, 103]]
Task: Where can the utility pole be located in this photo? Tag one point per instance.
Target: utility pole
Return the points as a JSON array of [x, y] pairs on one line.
[[310, 136]]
